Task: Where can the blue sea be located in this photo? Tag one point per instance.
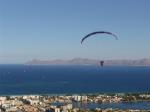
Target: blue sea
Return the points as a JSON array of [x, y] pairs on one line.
[[128, 105], [142, 105], [71, 79]]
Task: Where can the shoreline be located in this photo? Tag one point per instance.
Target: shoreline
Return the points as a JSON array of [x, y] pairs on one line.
[[67, 94]]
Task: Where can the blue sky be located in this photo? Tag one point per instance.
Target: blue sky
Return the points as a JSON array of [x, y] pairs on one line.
[[52, 29]]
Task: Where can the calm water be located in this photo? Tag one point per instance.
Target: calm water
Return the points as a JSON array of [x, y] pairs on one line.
[[128, 105], [135, 105], [29, 79]]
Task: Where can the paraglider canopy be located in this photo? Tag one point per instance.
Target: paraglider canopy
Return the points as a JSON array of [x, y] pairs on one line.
[[98, 32]]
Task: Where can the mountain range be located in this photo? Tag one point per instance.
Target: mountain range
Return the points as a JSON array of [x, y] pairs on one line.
[[86, 61]]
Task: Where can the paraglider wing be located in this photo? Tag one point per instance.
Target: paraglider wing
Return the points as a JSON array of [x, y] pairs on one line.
[[98, 32]]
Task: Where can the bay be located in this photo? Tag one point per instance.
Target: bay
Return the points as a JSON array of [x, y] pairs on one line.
[[70, 79]]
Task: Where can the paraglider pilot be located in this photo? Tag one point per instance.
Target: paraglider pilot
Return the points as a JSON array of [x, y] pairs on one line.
[[102, 63]]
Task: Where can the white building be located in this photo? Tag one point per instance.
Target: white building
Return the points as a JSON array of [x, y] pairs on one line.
[[67, 107], [77, 98], [57, 109], [2, 100], [34, 102], [84, 98]]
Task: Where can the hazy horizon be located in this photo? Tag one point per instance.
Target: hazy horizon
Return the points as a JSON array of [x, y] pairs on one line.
[[49, 29]]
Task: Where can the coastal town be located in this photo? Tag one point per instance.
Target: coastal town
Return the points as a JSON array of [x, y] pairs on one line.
[[69, 103]]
